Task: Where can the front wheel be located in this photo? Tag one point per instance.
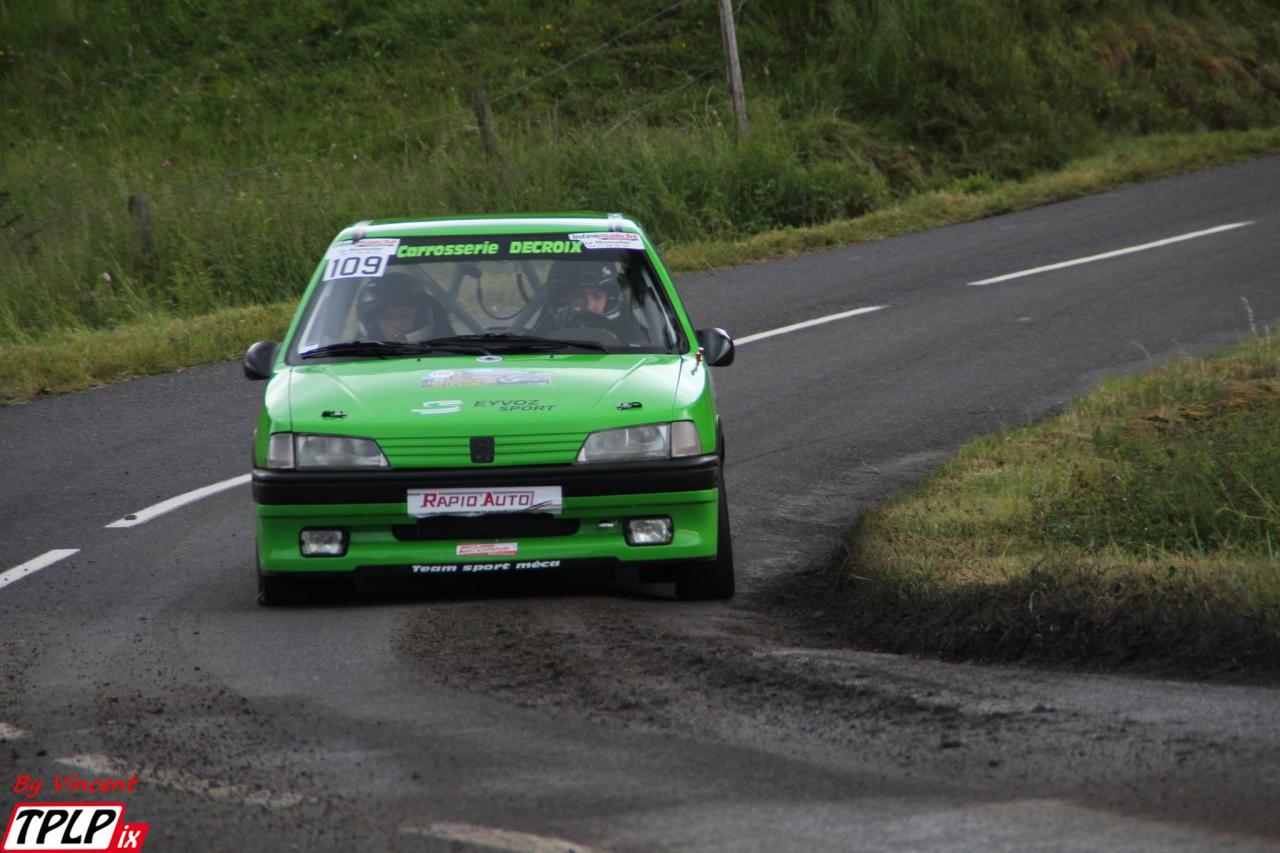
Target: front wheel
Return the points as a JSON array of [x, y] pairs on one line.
[[714, 579], [273, 590]]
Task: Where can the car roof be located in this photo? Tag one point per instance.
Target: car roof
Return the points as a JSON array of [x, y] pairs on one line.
[[500, 223]]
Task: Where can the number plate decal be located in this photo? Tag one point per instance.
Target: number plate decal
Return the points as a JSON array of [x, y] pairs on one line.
[[360, 259]]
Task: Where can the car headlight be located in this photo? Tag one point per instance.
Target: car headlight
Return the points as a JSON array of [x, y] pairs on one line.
[[290, 450], [639, 443]]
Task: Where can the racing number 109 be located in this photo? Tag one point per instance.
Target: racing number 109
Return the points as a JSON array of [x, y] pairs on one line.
[[367, 266]]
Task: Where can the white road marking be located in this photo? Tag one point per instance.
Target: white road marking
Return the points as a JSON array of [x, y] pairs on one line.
[[30, 567], [782, 330], [1114, 254], [497, 839], [954, 828], [9, 731], [180, 780], [145, 515]]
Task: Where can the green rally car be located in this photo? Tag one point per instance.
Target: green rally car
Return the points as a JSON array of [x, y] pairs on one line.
[[492, 394]]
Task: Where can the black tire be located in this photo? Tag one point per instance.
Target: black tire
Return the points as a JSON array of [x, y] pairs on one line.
[[713, 580], [275, 591]]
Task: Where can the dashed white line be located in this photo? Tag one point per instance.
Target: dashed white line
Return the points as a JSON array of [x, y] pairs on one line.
[[144, 515], [8, 731], [1113, 254], [817, 321], [180, 780], [30, 567], [497, 839]]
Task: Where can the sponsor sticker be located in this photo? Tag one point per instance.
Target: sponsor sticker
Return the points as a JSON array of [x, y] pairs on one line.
[[360, 258], [435, 568], [438, 407], [63, 827], [477, 376], [479, 568], [460, 568], [609, 240], [531, 404], [527, 565], [486, 549], [423, 503], [488, 247], [545, 247]]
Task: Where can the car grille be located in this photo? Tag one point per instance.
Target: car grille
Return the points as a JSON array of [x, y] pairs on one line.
[[454, 451], [514, 525]]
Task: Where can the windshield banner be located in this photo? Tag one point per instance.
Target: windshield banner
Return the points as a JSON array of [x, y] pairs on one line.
[[516, 246]]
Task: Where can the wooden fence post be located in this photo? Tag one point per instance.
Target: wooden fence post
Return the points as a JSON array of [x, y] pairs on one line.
[[732, 69], [140, 209], [484, 120]]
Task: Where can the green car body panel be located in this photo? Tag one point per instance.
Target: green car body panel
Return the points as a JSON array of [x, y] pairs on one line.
[[534, 408]]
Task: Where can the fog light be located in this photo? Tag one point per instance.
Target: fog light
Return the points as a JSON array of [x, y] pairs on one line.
[[649, 531], [323, 542]]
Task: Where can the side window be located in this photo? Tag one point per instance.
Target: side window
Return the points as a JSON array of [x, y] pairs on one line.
[[652, 313]]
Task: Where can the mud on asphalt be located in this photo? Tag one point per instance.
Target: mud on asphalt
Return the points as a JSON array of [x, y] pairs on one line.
[[768, 671]]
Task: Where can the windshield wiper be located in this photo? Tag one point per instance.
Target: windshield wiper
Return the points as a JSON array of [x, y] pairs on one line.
[[509, 342], [374, 349]]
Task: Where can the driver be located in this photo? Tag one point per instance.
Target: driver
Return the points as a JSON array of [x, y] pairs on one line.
[[397, 308], [590, 298], [583, 288]]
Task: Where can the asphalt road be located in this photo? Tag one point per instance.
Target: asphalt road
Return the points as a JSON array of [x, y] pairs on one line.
[[543, 716]]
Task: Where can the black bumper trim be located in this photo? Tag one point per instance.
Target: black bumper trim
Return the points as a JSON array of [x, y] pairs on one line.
[[577, 481], [651, 571], [446, 571]]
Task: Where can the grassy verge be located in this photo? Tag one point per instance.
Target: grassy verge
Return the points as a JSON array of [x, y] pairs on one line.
[[1141, 528], [81, 358], [1126, 161]]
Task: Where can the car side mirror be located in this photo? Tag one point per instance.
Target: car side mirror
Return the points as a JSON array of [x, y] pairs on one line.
[[717, 347], [259, 358]]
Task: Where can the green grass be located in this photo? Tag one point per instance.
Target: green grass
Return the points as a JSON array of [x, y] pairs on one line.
[[1142, 528], [82, 358]]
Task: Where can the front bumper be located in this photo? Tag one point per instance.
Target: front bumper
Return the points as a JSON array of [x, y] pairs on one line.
[[384, 538]]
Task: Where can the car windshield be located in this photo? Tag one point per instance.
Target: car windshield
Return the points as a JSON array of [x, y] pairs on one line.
[[388, 297]]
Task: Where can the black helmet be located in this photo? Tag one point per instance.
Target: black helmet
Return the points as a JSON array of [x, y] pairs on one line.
[[567, 276], [394, 290]]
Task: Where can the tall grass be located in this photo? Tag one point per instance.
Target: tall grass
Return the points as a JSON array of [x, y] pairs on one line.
[[258, 129], [1006, 88], [257, 238], [1140, 526], [1188, 464]]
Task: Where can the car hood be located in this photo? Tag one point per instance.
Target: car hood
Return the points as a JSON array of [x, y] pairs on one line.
[[457, 396]]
